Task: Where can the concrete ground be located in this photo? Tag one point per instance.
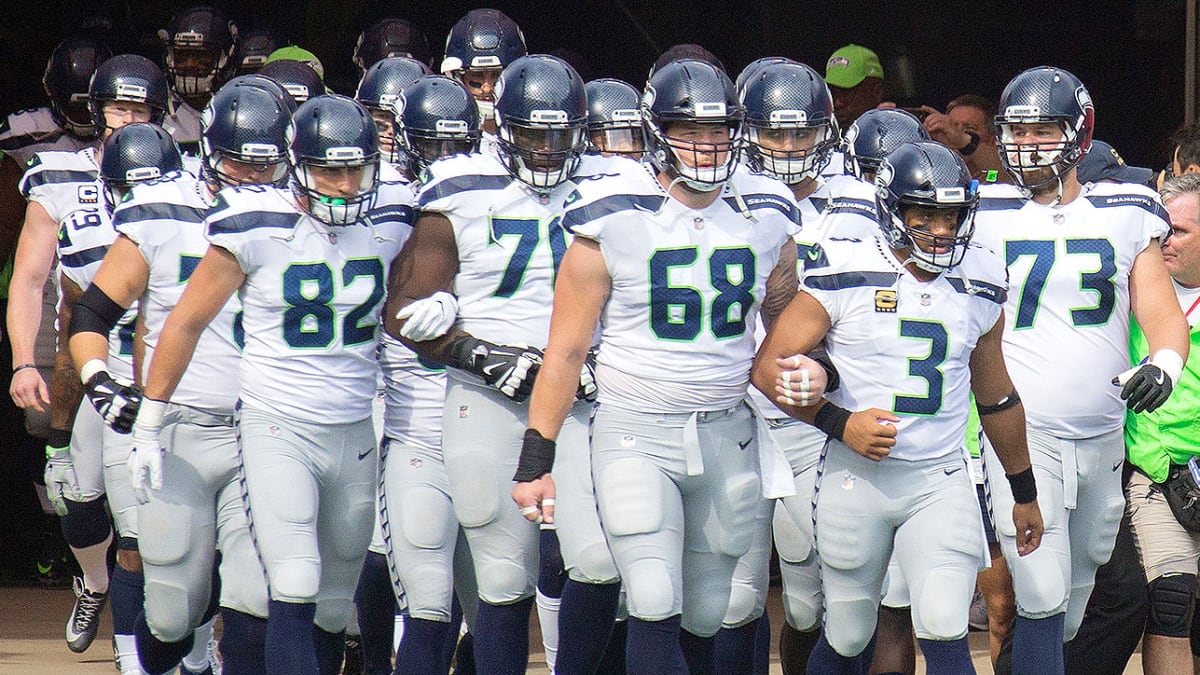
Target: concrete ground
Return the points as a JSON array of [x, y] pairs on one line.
[[32, 622]]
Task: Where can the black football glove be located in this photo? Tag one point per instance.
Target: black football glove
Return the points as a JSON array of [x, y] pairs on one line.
[[1144, 388], [117, 403], [509, 368], [587, 378]]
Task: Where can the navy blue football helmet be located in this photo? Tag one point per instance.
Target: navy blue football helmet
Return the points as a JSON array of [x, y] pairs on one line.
[[127, 77], [133, 154], [1048, 96], [246, 124], [541, 117], [697, 92], [68, 74], [390, 37], [755, 67], [267, 83], [926, 173], [378, 90], [614, 121], [484, 41], [790, 128], [435, 117], [874, 135], [200, 43], [297, 77], [253, 48], [332, 139]]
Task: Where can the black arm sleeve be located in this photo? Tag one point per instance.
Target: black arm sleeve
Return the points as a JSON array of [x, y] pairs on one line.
[[95, 313]]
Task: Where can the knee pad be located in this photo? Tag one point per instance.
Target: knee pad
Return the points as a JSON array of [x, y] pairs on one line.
[[1038, 582], [333, 614], [86, 523], [475, 498], [166, 533], [738, 515], [746, 604], [650, 591], [294, 581], [630, 496], [170, 614], [1104, 530], [595, 565], [791, 540], [1172, 601], [944, 594], [420, 527], [850, 625], [503, 582]]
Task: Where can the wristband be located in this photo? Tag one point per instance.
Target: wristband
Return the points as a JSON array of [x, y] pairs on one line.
[[1170, 362], [1024, 489], [537, 457], [90, 368], [971, 147], [150, 414], [58, 439], [23, 366], [832, 420]]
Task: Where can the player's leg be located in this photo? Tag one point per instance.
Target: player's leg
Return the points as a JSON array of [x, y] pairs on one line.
[[636, 461], [591, 593], [1099, 504], [1041, 580], [345, 520], [126, 594], [87, 528], [420, 531], [280, 479], [995, 583], [854, 541], [793, 534], [894, 651], [481, 439], [1169, 554], [244, 600], [940, 548]]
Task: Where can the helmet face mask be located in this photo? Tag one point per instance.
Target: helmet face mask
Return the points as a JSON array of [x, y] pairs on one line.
[[541, 120], [1044, 126], [790, 127], [614, 120], [381, 85], [543, 155], [127, 78], [692, 121], [435, 117], [923, 189], [334, 153], [133, 154]]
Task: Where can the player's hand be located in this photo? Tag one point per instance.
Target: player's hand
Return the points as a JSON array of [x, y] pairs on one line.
[[801, 381], [28, 389], [428, 318], [944, 130], [870, 433], [145, 460], [60, 478], [116, 402], [1144, 387], [511, 369], [587, 378], [1028, 520], [535, 498]]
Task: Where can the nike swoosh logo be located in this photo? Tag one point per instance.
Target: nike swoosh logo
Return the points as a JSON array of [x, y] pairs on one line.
[[1158, 379], [487, 370], [813, 254], [1117, 466], [364, 453], [743, 445], [951, 472]]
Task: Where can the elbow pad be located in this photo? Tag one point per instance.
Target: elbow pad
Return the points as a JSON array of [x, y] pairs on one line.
[[95, 313]]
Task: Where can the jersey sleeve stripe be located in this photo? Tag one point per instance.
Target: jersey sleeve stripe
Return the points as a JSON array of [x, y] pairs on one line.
[[53, 176], [1143, 202], [609, 205], [457, 184], [1000, 203], [252, 221], [844, 280], [85, 257], [756, 201], [980, 289], [158, 211]]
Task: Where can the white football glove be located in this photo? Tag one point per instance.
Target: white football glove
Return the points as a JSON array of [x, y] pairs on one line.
[[428, 318], [60, 478], [145, 460], [801, 382]]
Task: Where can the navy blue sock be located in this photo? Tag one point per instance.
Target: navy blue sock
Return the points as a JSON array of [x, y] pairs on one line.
[[734, 648], [613, 662], [126, 596], [376, 603], [652, 647], [585, 623], [450, 639], [825, 661], [1039, 644], [947, 657], [701, 654], [422, 647], [552, 575], [502, 637], [464, 664], [289, 649], [243, 643], [158, 657], [762, 645], [795, 647], [331, 650], [866, 657]]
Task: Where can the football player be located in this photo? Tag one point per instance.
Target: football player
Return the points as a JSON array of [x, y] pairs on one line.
[[308, 368], [199, 45], [614, 122], [378, 90], [918, 308], [673, 260], [1083, 257], [479, 46], [390, 37]]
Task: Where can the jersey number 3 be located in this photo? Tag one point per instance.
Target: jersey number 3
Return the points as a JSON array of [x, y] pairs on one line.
[[677, 312]]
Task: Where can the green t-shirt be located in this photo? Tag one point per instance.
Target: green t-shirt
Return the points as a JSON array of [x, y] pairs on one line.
[[1171, 434]]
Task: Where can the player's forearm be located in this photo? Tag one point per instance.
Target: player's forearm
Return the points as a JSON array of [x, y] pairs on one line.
[[66, 392], [88, 346], [24, 319], [1006, 431], [554, 390], [1167, 330], [435, 349]]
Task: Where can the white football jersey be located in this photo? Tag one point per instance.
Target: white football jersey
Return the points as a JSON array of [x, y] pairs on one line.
[[904, 345], [165, 219], [510, 242], [183, 123], [28, 132], [84, 235], [63, 181], [311, 300], [414, 395], [1067, 317], [678, 329]]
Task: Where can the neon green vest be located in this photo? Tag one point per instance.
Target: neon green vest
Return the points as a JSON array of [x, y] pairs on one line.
[[1171, 434]]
